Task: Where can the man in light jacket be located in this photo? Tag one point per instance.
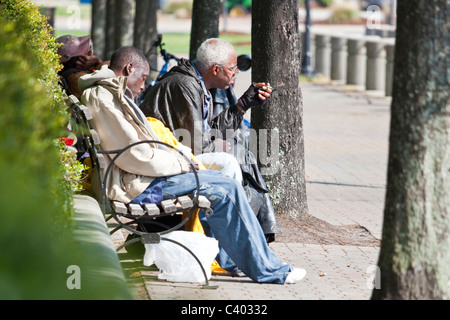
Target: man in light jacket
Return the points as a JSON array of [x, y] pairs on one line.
[[109, 94]]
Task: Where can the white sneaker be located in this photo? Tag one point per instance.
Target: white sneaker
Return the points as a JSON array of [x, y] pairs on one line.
[[295, 275]]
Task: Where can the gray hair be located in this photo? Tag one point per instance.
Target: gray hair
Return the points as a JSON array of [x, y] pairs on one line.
[[213, 51]]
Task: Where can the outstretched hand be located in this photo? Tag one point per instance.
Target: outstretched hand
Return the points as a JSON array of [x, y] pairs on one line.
[[255, 96], [265, 90]]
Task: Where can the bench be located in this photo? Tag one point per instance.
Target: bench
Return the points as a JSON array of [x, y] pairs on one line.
[[131, 217]]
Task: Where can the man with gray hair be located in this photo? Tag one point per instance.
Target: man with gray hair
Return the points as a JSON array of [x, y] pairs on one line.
[[181, 99]]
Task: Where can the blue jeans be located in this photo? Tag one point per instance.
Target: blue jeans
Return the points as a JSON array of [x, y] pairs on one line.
[[241, 240]]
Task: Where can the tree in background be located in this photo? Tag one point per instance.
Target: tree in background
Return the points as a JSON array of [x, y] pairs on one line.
[[276, 59], [145, 28], [123, 23], [98, 27], [109, 29], [205, 23], [415, 249]]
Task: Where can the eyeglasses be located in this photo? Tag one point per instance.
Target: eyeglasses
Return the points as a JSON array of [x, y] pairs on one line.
[[234, 70]]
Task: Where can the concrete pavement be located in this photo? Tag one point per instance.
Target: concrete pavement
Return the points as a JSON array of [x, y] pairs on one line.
[[346, 145], [346, 153]]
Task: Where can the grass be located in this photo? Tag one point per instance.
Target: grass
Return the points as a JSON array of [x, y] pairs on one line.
[[72, 32], [175, 43], [178, 43]]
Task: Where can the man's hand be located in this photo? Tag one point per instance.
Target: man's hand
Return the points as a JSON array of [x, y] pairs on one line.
[[196, 166], [87, 62], [255, 95]]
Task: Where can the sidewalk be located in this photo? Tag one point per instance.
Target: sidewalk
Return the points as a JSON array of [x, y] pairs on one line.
[[346, 145]]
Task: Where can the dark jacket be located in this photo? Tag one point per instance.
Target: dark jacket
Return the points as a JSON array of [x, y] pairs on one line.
[[177, 100]]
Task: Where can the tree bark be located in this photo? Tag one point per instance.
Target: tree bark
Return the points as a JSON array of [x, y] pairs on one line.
[[415, 250], [205, 23], [276, 58], [145, 27], [110, 28], [98, 27], [124, 23]]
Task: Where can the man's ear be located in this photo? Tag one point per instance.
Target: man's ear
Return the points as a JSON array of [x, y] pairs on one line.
[[128, 69], [215, 69]]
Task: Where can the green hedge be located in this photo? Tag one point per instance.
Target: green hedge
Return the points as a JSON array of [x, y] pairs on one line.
[[36, 228], [34, 114]]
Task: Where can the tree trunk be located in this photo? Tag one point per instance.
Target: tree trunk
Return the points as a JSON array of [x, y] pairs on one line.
[[415, 252], [124, 23], [145, 28], [276, 58], [205, 23], [98, 27], [110, 28]]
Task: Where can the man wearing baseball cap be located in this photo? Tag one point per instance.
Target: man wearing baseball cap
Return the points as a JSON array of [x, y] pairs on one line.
[[77, 57]]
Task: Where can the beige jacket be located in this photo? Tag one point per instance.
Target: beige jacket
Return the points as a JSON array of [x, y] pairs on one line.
[[118, 126]]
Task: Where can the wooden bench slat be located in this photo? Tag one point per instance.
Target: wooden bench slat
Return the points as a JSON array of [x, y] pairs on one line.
[[86, 111], [203, 202], [152, 209], [95, 137], [168, 206], [74, 100], [101, 161], [135, 209], [119, 207], [185, 202]]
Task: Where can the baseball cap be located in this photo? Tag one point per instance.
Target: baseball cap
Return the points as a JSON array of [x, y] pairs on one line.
[[73, 46]]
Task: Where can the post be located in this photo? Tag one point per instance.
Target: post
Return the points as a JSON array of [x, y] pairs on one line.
[[376, 66], [312, 47], [338, 59], [323, 54], [390, 51], [306, 59], [356, 63]]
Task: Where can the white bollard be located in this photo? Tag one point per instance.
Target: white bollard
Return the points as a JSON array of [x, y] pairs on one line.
[[356, 63], [376, 66], [338, 59], [323, 55]]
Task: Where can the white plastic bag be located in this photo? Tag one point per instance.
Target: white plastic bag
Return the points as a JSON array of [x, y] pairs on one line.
[[176, 263]]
